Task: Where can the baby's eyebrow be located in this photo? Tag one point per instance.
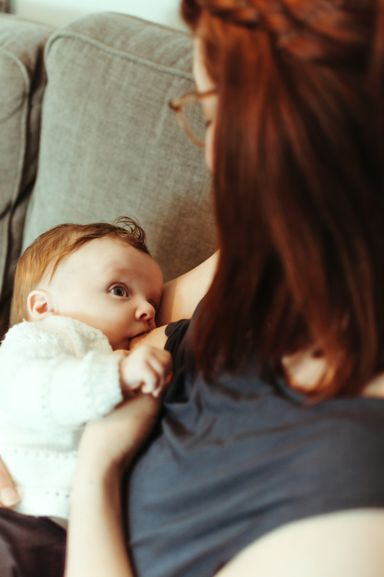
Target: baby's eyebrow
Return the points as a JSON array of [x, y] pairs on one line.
[[117, 269]]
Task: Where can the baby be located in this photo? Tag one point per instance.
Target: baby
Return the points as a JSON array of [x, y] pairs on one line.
[[81, 293]]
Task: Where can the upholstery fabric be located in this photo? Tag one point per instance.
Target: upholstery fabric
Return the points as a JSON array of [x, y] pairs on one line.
[[111, 146], [21, 88]]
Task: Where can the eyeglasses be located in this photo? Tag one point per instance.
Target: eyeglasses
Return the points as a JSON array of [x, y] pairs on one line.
[[189, 115]]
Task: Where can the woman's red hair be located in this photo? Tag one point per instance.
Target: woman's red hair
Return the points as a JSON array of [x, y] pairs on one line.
[[298, 185]]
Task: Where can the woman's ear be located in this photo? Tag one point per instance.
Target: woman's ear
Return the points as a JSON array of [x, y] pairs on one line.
[[38, 304]]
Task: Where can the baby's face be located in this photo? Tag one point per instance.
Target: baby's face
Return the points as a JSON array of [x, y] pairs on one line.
[[110, 286]]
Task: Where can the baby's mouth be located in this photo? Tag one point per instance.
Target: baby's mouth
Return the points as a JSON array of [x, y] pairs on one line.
[[141, 333], [150, 326]]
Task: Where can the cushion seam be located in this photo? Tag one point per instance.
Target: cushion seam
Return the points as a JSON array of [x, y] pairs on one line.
[[115, 52]]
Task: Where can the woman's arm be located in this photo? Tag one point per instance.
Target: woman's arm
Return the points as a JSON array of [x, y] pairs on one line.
[[95, 538], [182, 295], [96, 544]]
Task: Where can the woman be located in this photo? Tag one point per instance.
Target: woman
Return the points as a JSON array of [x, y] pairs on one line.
[[269, 457]]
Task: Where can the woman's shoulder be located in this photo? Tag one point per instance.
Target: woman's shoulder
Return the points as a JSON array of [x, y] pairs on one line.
[[342, 543]]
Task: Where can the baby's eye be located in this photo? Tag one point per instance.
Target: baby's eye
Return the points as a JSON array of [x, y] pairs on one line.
[[118, 291]]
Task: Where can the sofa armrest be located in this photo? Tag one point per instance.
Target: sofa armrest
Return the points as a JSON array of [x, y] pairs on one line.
[[22, 81]]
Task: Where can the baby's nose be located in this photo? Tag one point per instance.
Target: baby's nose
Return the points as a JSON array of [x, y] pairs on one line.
[[145, 311]]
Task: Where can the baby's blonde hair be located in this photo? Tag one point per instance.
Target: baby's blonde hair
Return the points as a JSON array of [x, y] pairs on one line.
[[49, 249]]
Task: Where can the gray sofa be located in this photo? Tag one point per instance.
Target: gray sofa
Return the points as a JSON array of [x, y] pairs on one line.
[[86, 135]]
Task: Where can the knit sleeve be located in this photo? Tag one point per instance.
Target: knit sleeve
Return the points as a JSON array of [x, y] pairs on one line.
[[43, 386]]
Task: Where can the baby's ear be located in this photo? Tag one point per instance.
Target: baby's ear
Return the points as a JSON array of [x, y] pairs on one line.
[[38, 304]]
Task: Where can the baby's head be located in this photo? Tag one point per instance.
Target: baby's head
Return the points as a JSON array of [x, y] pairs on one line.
[[101, 274]]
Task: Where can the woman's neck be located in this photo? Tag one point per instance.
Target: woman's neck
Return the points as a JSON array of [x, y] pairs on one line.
[[303, 371]]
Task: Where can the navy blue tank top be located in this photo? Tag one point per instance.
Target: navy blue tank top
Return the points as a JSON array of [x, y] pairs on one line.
[[235, 459]]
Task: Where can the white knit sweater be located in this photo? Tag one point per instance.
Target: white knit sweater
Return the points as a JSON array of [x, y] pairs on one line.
[[55, 375]]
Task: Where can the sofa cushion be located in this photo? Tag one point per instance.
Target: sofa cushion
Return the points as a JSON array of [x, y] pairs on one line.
[[109, 143], [21, 88]]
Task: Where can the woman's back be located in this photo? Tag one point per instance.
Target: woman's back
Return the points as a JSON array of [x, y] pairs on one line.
[[238, 459]]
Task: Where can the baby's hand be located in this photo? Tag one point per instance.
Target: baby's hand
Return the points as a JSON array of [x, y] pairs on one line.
[[146, 368]]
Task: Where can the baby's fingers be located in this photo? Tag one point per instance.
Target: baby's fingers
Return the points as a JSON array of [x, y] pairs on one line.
[[153, 376], [162, 385], [161, 362], [159, 380]]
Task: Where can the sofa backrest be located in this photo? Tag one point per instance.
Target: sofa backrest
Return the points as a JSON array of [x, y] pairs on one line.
[[111, 146]]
